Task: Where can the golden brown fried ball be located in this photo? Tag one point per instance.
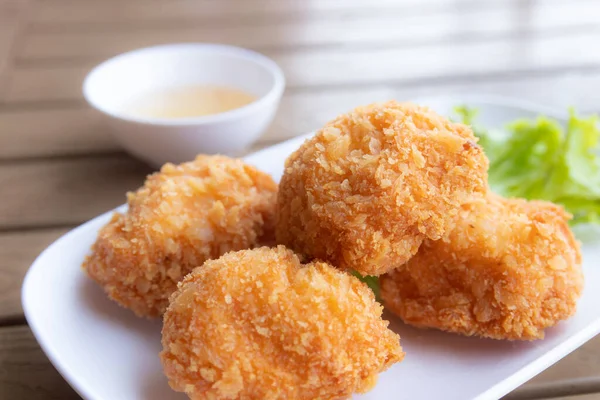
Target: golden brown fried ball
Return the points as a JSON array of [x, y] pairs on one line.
[[258, 324], [181, 217], [509, 270], [366, 190]]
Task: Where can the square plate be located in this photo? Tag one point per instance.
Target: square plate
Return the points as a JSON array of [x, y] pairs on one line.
[[106, 353]]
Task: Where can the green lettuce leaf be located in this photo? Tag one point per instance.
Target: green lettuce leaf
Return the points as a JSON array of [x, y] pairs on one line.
[[526, 159], [581, 156], [371, 281], [540, 159], [493, 142]]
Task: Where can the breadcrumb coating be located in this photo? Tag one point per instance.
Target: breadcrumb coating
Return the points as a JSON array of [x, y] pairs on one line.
[[181, 217], [366, 190], [509, 270], [258, 324]]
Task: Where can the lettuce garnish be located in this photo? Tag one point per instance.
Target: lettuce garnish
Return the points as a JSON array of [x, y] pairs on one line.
[[371, 281], [541, 159]]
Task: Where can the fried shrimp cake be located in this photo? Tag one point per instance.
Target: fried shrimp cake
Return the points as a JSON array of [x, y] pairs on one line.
[[370, 186], [258, 324], [509, 270], [181, 217]]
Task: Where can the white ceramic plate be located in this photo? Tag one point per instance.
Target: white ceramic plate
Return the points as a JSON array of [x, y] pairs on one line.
[[106, 353]]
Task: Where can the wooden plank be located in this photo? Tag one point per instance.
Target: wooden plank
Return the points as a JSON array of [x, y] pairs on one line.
[[55, 83], [570, 389], [12, 13], [48, 132], [78, 130], [17, 251], [385, 28], [324, 68], [591, 396], [577, 373], [65, 13], [65, 191], [302, 112], [8, 25], [25, 371]]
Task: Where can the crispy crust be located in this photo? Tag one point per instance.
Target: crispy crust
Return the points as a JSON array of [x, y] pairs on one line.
[[181, 217], [258, 324], [366, 190], [509, 270]]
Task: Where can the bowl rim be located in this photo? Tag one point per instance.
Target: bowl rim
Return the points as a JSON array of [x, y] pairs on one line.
[[268, 64]]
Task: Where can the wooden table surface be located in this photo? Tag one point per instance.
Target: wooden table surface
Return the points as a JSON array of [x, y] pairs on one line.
[[59, 167]]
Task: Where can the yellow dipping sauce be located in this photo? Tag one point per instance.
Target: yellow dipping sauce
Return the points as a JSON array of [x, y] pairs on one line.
[[188, 101]]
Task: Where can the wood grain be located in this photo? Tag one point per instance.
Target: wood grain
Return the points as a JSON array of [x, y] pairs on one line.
[[45, 132], [323, 69], [78, 130], [25, 372], [570, 389], [591, 396], [77, 13], [12, 13], [17, 251], [65, 191], [399, 31], [576, 373]]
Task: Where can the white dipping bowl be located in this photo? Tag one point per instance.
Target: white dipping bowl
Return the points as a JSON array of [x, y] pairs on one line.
[[117, 82]]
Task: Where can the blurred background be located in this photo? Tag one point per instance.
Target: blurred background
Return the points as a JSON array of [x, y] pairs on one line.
[[60, 167]]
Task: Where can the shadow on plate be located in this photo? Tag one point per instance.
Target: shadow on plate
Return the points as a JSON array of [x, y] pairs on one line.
[[431, 341], [157, 388], [94, 299], [152, 383]]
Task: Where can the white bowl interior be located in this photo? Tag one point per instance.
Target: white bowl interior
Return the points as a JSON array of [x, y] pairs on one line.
[[118, 81]]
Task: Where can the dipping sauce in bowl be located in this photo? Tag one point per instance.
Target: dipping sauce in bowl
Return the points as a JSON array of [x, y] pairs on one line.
[[169, 103], [188, 101]]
